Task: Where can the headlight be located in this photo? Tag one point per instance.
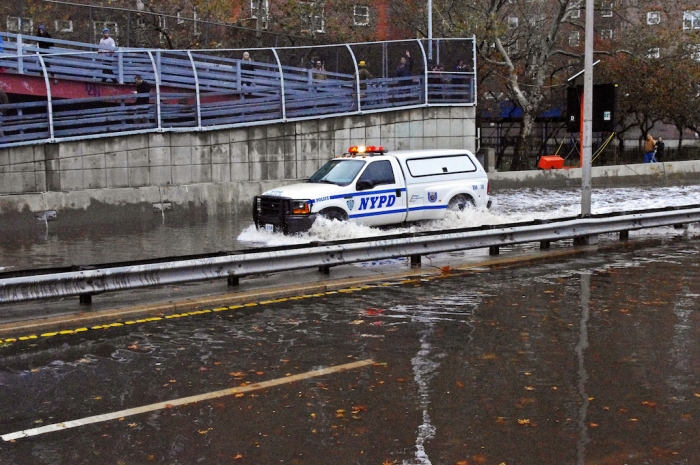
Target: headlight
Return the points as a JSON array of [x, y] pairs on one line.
[[301, 207]]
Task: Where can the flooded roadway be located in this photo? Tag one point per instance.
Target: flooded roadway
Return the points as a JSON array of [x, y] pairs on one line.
[[60, 243], [593, 360]]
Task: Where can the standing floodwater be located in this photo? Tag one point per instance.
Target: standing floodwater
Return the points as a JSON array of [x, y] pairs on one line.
[[59, 244], [593, 360]]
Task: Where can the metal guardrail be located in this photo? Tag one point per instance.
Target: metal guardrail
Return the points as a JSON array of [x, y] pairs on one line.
[[89, 282], [214, 89]]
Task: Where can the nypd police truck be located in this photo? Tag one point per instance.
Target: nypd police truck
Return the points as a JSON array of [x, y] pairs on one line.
[[376, 187]]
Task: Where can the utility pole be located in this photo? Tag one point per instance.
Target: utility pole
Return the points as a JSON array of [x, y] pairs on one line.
[[587, 133], [430, 29]]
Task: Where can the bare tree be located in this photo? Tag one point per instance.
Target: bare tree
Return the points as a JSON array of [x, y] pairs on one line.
[[524, 48]]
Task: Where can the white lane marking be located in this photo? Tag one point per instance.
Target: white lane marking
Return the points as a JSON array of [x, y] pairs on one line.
[[185, 400]]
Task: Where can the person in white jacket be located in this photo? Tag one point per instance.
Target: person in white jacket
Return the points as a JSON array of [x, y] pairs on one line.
[[106, 52]]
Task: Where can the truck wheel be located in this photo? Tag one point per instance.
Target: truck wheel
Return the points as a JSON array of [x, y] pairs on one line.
[[334, 214], [459, 202]]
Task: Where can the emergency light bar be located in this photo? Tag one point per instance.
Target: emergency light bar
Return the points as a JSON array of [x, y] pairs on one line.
[[367, 149]]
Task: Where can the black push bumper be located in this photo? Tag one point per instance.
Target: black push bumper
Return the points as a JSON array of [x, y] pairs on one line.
[[275, 214]]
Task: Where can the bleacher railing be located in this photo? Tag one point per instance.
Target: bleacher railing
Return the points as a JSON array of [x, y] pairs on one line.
[[195, 90]]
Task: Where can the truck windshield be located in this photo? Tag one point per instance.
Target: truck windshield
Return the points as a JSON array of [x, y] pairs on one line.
[[341, 172]]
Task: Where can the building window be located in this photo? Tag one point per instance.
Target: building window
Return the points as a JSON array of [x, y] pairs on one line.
[[63, 25], [606, 34], [19, 25], [691, 19], [574, 39], [606, 10], [512, 22], [313, 18], [653, 17], [361, 15], [653, 53], [576, 13]]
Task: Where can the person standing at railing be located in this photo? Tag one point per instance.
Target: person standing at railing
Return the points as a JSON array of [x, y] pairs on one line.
[[106, 52], [460, 79], [45, 44], [405, 66], [247, 68], [143, 89], [319, 73]]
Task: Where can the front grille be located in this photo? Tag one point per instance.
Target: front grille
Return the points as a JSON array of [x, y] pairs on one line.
[[273, 206]]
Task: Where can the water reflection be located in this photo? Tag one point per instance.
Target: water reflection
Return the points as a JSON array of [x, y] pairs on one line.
[[588, 360], [582, 345]]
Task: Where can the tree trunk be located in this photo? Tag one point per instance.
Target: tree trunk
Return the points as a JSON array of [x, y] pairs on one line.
[[523, 144]]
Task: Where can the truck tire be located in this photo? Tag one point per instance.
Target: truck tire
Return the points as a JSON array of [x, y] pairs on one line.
[[459, 202], [334, 214]]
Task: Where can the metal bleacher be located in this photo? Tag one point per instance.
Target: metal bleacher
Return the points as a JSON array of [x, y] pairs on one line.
[[72, 91]]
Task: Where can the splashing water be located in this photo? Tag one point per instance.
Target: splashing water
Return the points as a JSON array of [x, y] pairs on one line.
[[509, 206]]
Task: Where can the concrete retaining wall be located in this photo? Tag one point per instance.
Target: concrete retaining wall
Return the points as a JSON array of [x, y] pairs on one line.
[[217, 172]]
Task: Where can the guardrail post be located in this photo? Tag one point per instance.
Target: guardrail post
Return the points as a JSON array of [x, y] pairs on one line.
[[233, 281], [415, 261], [325, 269], [494, 250], [624, 235], [544, 245], [85, 299], [586, 240]]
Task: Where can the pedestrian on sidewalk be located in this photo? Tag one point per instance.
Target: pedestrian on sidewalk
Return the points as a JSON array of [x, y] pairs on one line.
[[660, 146], [649, 147]]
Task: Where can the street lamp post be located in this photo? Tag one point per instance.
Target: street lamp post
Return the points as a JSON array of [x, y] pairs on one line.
[[430, 29], [587, 134]]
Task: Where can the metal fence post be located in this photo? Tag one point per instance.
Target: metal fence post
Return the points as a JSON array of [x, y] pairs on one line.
[[357, 78], [49, 103], [196, 89], [425, 72], [156, 76], [284, 106], [20, 55], [120, 66]]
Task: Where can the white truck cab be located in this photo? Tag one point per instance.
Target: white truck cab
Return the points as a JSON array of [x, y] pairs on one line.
[[373, 186]]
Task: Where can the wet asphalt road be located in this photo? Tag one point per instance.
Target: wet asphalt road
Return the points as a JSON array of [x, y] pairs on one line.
[[592, 360]]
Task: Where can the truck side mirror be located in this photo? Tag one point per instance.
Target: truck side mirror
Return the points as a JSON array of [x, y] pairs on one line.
[[364, 185]]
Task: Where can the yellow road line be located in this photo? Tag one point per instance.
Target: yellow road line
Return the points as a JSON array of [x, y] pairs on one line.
[[185, 400]]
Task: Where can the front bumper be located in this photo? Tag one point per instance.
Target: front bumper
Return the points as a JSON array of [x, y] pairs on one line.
[[275, 214]]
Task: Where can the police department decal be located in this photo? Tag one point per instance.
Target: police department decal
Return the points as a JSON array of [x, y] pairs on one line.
[[432, 197], [350, 203]]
